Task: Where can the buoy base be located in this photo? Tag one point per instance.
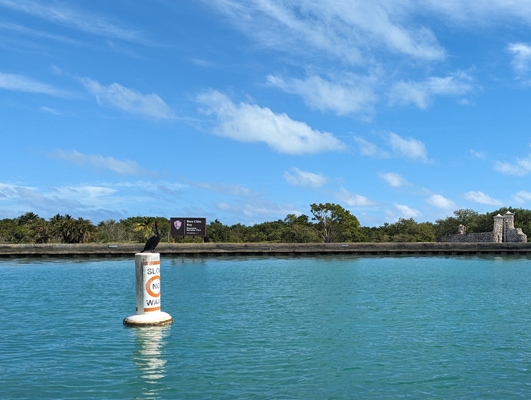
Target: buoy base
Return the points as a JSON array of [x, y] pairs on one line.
[[158, 318]]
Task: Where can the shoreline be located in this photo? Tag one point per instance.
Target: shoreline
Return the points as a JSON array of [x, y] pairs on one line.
[[262, 249]]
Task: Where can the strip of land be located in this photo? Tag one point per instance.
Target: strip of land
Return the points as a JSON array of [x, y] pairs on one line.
[[261, 249]]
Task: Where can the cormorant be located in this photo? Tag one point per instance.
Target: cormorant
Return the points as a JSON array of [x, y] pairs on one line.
[[154, 240]]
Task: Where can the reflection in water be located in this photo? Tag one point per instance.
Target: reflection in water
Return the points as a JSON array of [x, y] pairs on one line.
[[149, 358]]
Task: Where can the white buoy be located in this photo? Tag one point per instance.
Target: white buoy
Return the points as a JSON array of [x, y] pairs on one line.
[[148, 311]]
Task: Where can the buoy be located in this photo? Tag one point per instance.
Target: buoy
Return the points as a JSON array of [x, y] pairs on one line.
[[148, 304]]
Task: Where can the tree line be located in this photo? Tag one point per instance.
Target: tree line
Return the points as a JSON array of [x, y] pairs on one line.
[[326, 223]]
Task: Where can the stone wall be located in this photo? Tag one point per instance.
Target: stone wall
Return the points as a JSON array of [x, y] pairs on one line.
[[516, 235], [503, 231], [483, 237]]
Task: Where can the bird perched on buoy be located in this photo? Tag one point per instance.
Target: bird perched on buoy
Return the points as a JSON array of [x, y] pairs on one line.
[[154, 240]]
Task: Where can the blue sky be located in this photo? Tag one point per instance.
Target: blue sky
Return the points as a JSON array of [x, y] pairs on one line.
[[247, 111]]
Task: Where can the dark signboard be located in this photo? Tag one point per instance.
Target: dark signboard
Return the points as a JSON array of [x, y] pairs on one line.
[[188, 227]]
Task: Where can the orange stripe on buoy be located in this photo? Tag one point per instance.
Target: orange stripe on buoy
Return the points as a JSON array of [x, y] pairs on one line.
[[151, 263], [152, 309], [148, 286]]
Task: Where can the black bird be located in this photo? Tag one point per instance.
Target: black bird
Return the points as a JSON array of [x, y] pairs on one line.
[[154, 240]]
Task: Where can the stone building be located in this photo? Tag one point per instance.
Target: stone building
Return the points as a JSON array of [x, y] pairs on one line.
[[503, 231]]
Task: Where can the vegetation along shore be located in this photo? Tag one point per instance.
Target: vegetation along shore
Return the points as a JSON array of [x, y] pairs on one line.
[[326, 225]]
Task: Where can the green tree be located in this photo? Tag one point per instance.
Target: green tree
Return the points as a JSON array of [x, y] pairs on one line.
[[373, 234], [7, 227], [407, 230], [298, 229], [30, 228], [270, 231], [237, 233], [40, 231], [111, 231], [71, 230], [217, 232], [334, 223]]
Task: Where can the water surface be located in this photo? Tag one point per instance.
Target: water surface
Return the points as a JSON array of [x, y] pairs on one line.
[[270, 328]]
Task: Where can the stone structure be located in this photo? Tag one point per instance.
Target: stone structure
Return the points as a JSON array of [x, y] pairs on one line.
[[503, 231]]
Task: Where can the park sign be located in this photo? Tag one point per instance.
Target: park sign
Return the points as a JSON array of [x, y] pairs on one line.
[[188, 227]]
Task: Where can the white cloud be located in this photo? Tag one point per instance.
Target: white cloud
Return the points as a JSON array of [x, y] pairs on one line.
[[349, 95], [232, 190], [346, 31], [480, 13], [421, 93], [402, 211], [400, 147], [440, 201], [482, 198], [250, 212], [50, 110], [100, 162], [370, 149], [298, 177], [250, 123], [82, 20], [408, 148], [522, 197], [85, 199], [89, 193], [393, 179], [21, 83], [352, 199], [477, 154], [520, 168], [521, 61], [9, 191], [129, 100]]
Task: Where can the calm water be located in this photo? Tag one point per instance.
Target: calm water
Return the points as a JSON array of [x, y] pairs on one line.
[[270, 328]]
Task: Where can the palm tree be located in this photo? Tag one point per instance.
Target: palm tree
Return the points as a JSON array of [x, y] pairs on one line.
[[145, 227], [70, 230]]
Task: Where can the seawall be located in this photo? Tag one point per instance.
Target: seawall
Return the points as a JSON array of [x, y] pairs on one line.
[[262, 249]]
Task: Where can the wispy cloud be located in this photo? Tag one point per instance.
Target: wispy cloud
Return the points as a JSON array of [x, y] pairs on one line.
[[75, 18], [442, 202], [521, 167], [347, 31], [223, 188], [522, 197], [128, 100], [399, 147], [477, 154], [100, 162], [50, 110], [408, 148], [422, 93], [87, 200], [36, 33], [359, 43], [246, 122], [21, 83], [476, 13], [369, 149], [402, 211], [482, 198], [343, 96], [393, 179], [521, 61], [245, 211], [352, 199], [298, 177]]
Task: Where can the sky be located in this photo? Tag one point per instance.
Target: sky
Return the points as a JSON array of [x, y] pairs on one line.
[[248, 111]]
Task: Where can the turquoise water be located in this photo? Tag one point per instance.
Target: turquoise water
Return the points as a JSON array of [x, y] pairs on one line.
[[269, 328]]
